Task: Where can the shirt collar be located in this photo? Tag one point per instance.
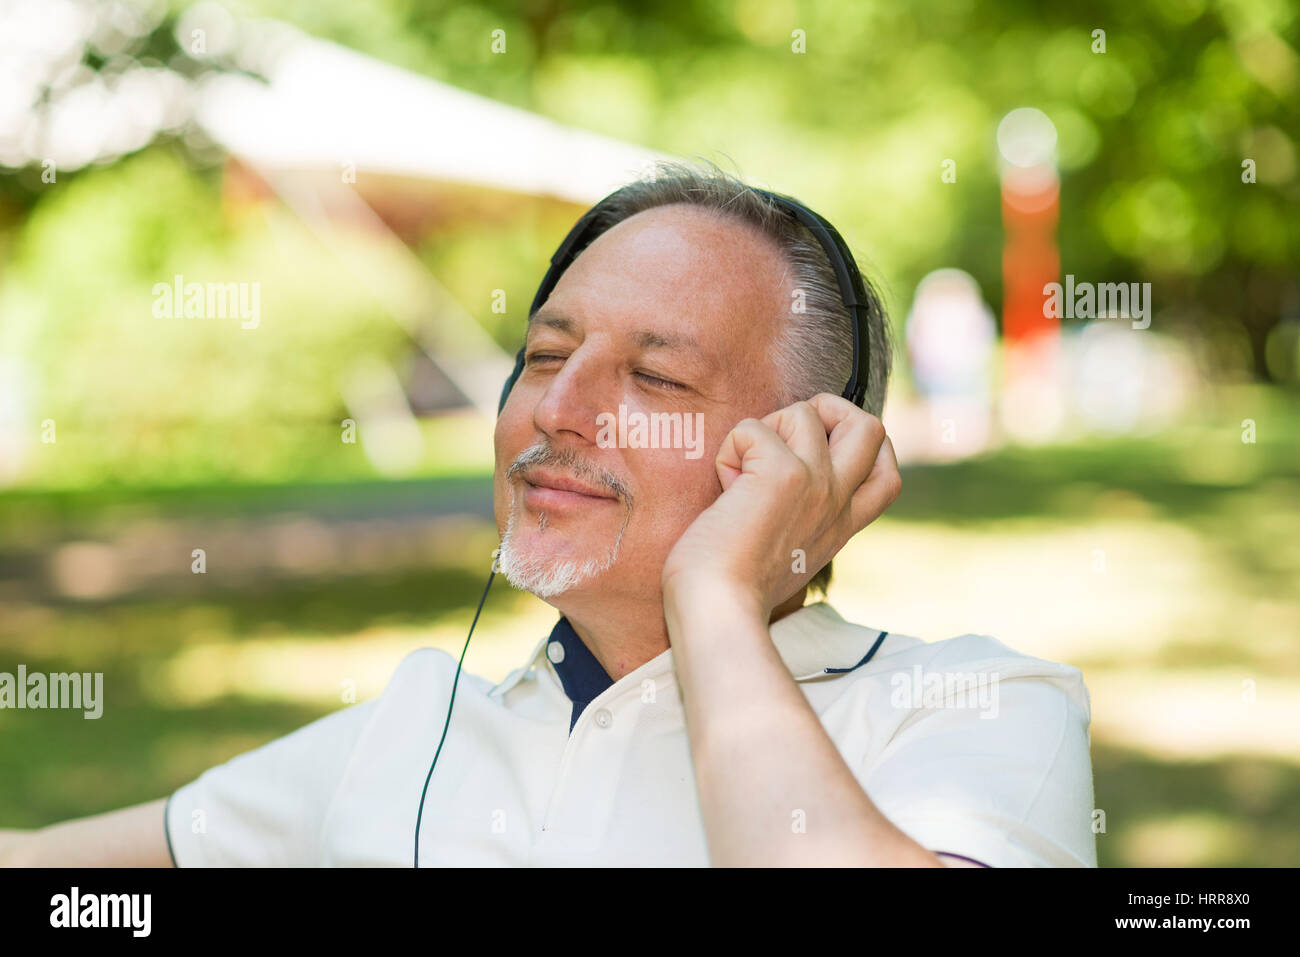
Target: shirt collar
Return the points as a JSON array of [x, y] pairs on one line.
[[581, 675], [813, 642]]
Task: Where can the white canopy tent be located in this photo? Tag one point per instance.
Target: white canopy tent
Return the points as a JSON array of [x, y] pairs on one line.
[[327, 105], [328, 108]]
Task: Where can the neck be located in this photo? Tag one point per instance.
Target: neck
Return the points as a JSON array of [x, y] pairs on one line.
[[625, 635]]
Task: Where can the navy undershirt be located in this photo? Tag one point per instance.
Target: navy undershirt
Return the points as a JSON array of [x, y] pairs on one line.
[[581, 675]]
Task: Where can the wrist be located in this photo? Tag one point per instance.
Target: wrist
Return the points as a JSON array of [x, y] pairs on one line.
[[692, 597]]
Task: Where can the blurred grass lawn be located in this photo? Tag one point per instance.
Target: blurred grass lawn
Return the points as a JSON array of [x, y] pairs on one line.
[[1198, 591]]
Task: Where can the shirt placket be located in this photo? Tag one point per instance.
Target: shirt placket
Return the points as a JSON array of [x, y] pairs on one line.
[[583, 796]]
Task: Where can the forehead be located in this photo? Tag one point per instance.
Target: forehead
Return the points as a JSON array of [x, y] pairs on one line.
[[678, 272]]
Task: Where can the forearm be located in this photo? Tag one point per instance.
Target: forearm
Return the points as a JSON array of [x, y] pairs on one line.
[[773, 788], [130, 837], [14, 845]]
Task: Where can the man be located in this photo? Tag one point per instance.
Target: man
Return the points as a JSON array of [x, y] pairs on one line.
[[689, 708]]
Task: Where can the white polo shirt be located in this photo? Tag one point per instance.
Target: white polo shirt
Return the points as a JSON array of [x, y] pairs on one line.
[[965, 745]]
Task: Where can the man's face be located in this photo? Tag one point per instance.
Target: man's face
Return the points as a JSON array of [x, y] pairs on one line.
[[671, 314]]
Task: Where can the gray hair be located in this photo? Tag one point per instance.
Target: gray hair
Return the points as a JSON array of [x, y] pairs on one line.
[[814, 351]]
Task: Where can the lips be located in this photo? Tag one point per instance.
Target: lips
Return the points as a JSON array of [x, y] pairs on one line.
[[541, 479], [554, 492]]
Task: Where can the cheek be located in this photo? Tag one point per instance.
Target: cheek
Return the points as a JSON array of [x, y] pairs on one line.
[[676, 490], [699, 481], [508, 440]]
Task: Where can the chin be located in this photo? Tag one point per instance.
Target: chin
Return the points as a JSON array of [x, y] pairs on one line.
[[548, 564], [548, 577]]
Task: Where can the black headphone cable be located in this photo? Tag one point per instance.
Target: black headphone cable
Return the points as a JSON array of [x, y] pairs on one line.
[[447, 723]]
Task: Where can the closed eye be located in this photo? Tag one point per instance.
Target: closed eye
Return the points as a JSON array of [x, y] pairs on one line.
[[661, 383], [657, 381]]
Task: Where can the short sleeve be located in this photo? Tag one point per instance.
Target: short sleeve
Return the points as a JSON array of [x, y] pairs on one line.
[[267, 807], [1006, 787]]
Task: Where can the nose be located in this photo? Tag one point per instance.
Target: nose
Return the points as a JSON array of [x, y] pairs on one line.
[[574, 397]]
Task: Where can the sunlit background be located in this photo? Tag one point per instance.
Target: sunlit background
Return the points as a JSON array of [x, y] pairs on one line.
[[246, 520]]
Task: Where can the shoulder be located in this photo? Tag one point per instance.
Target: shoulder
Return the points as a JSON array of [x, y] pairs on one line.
[[893, 656], [424, 679], [970, 695], [423, 664], [981, 659]]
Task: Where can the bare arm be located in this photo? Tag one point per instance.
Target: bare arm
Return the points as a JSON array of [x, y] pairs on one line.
[[130, 837]]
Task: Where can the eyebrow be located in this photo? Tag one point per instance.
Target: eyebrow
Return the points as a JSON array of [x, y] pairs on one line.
[[645, 338]]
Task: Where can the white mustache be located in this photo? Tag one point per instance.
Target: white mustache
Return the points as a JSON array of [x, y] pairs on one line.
[[543, 454]]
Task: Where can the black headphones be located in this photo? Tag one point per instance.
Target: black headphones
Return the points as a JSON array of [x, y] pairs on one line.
[[852, 290]]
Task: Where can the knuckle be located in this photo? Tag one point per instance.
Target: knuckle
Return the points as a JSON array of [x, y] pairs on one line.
[[874, 427]]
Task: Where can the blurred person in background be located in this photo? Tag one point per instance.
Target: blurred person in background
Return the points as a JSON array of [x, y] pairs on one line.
[[951, 337]]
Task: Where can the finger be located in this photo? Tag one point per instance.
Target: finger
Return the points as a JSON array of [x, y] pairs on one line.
[[855, 439], [748, 446], [879, 490], [801, 428]]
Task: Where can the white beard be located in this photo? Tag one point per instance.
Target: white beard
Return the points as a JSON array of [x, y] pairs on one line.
[[547, 578]]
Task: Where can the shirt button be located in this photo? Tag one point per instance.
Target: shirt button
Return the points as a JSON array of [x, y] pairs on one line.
[[555, 651], [603, 718]]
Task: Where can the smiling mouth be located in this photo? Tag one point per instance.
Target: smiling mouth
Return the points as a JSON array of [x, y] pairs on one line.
[[554, 490], [550, 493]]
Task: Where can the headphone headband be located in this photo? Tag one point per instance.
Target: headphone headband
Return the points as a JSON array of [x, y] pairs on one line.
[[851, 286]]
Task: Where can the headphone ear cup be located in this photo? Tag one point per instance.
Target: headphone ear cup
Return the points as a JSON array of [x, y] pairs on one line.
[[510, 383]]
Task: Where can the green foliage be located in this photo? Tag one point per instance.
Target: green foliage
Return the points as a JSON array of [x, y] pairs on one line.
[[136, 397]]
